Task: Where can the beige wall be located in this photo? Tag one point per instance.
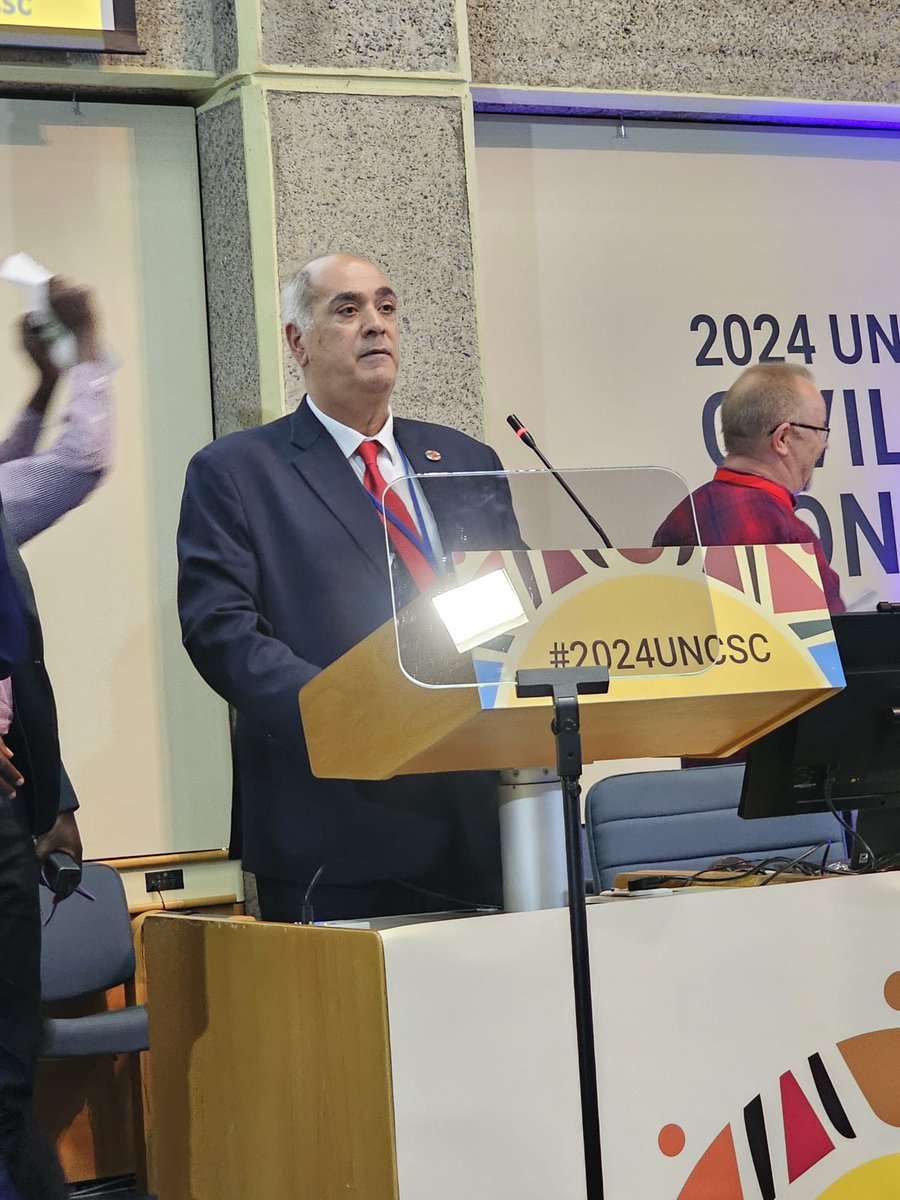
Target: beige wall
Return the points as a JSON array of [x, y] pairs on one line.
[[108, 197]]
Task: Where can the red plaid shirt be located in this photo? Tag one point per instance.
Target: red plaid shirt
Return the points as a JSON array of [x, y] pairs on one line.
[[738, 509]]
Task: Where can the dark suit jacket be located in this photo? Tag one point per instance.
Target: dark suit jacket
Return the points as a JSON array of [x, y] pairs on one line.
[[13, 633], [283, 569], [34, 736]]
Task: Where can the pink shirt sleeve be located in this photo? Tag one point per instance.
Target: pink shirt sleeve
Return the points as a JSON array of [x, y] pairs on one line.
[[37, 489]]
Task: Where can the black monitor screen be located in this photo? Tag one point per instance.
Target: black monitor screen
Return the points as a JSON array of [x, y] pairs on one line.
[[849, 744]]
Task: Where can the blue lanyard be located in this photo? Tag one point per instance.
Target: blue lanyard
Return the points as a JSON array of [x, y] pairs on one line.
[[423, 543]]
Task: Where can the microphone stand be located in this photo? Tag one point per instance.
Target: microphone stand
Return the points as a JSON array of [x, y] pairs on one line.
[[521, 432], [564, 684]]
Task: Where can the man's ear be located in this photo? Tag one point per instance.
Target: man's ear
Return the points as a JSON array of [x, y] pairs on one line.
[[296, 340], [779, 438]]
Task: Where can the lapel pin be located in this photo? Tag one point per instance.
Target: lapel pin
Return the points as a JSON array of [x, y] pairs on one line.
[[433, 455]]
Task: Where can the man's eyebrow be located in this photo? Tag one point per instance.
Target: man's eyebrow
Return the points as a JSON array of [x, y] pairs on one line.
[[343, 297], [357, 297]]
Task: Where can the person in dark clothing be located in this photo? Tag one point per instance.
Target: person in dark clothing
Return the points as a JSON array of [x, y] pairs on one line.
[[33, 786]]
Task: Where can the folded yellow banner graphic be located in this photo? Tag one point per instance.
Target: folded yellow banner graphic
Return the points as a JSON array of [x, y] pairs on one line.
[[53, 14]]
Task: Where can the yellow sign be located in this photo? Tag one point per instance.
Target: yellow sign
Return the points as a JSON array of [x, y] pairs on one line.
[[52, 14], [724, 621]]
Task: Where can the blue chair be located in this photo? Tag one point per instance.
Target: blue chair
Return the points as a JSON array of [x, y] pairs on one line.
[[86, 949], [686, 820]]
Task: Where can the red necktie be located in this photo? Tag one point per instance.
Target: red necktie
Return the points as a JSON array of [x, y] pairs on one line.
[[421, 570]]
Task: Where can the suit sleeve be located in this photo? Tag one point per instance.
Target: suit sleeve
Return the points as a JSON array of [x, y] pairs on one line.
[[228, 639], [13, 629], [68, 801]]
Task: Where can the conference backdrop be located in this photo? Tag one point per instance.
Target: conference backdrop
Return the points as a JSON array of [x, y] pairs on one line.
[[630, 271]]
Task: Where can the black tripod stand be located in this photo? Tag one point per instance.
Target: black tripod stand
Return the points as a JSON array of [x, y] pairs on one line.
[[564, 685]]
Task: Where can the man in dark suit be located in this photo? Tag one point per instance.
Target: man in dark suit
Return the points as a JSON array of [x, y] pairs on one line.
[[283, 567], [12, 619]]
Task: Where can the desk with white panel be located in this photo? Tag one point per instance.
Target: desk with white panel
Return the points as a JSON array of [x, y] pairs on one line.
[[741, 1034]]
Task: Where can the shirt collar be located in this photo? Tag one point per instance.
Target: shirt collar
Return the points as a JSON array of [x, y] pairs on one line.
[[349, 440], [745, 479]]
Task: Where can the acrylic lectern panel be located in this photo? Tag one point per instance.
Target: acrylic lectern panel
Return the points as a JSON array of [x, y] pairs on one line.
[[536, 569], [707, 648]]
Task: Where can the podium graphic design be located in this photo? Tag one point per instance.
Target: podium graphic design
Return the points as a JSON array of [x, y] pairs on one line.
[[707, 649]]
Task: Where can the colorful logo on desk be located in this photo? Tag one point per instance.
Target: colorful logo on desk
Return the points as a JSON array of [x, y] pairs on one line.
[[800, 1139]]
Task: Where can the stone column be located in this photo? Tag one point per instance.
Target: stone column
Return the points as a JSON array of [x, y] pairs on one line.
[[345, 127]]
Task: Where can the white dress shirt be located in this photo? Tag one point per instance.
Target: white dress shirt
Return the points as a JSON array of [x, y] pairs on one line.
[[391, 463]]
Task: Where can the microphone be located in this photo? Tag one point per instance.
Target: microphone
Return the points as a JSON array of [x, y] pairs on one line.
[[522, 433], [62, 874]]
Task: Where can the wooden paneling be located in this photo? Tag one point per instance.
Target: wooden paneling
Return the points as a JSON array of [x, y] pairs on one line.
[[286, 1026], [400, 727], [86, 1104]]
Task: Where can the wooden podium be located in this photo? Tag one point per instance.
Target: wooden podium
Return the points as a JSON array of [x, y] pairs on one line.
[[748, 629], [708, 649]]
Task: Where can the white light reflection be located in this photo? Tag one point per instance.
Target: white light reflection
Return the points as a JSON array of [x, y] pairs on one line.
[[480, 610]]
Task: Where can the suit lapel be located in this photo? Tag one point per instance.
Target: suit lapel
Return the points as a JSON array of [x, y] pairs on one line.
[[415, 442], [318, 458], [442, 494]]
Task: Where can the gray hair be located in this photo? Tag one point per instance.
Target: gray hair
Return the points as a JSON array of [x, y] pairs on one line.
[[759, 399], [298, 293], [296, 299]]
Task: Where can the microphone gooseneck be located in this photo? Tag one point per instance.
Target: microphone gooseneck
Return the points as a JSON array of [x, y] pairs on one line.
[[521, 431]]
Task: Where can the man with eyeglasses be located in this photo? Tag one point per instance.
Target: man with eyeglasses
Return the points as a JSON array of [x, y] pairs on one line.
[[774, 429]]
